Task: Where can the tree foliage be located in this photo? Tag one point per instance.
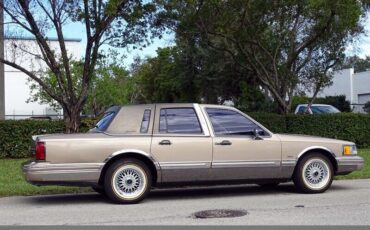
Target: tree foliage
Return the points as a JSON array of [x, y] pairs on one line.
[[110, 85], [115, 22], [283, 43], [357, 63], [194, 74]]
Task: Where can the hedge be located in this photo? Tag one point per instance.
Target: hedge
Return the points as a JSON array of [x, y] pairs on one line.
[[15, 135], [343, 126], [274, 122], [353, 127], [16, 142]]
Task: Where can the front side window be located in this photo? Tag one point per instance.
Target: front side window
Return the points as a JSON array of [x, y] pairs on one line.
[[229, 122], [179, 120]]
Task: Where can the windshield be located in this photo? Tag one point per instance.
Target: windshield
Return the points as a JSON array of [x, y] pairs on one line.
[[324, 109], [103, 124]]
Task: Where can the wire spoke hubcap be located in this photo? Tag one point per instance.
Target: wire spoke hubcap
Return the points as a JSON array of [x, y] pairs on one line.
[[129, 181], [316, 173]]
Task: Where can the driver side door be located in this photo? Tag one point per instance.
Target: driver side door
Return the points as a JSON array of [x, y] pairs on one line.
[[237, 153]]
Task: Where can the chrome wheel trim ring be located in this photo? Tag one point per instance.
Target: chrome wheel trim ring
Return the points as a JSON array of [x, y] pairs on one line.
[[129, 181], [316, 174]]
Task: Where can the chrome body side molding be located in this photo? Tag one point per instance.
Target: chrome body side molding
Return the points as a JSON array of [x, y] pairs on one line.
[[222, 164]]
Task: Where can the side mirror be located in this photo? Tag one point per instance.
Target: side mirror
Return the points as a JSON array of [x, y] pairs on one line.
[[256, 135]]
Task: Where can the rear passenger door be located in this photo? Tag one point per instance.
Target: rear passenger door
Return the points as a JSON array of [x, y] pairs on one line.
[[181, 143]]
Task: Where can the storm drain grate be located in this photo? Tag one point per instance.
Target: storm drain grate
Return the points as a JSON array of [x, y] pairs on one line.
[[220, 213]]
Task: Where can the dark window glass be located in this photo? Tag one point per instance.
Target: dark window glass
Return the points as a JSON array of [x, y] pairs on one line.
[[162, 121], [302, 109], [103, 124], [145, 122], [179, 120], [229, 122], [324, 109]]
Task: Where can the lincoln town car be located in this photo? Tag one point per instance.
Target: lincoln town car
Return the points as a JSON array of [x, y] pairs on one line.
[[137, 147]]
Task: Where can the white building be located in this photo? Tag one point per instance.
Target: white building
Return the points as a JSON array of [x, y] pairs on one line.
[[355, 86], [25, 52]]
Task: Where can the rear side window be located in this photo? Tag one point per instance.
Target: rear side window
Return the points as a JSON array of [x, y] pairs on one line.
[[229, 122], [145, 122], [179, 120]]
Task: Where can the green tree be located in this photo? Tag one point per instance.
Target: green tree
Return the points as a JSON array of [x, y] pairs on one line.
[[186, 73], [283, 43], [115, 22], [158, 79], [110, 84]]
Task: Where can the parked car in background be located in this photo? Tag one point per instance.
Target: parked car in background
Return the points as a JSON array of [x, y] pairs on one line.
[[134, 148], [315, 109]]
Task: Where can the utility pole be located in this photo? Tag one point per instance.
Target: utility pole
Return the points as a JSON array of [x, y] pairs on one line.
[[2, 75]]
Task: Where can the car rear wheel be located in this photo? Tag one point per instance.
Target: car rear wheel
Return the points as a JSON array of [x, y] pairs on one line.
[[314, 174], [127, 181], [98, 189]]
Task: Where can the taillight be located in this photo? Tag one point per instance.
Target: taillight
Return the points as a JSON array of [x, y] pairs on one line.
[[40, 151]]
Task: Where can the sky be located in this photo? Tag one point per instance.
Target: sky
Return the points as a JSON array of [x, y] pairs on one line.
[[361, 47], [77, 30]]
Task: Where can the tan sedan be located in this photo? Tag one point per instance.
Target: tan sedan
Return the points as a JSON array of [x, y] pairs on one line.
[[134, 148]]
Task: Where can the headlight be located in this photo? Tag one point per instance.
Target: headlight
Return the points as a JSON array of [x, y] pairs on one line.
[[349, 150]]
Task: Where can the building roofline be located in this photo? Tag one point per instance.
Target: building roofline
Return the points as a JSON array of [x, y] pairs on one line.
[[47, 38]]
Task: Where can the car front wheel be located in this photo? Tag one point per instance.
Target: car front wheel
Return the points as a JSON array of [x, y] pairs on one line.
[[314, 174], [127, 181]]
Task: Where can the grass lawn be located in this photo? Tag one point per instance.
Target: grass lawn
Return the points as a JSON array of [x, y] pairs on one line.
[[12, 182]]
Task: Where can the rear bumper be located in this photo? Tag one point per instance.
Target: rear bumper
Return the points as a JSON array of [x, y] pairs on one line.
[[349, 164], [42, 173]]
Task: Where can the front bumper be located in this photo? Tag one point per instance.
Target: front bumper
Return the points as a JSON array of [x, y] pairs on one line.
[[42, 173], [349, 164]]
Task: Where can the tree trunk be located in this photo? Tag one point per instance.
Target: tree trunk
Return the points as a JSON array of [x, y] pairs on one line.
[[282, 109], [283, 106], [317, 90], [72, 120]]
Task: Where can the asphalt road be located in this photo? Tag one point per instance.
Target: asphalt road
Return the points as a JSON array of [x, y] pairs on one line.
[[346, 203]]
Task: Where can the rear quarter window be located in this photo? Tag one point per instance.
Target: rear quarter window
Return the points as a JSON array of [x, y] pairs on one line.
[[145, 122]]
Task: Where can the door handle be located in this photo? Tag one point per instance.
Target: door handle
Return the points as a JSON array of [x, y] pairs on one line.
[[165, 142], [224, 142]]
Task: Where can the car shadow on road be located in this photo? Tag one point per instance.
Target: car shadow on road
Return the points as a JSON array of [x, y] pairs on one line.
[[81, 198], [219, 191], [228, 191], [174, 194]]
